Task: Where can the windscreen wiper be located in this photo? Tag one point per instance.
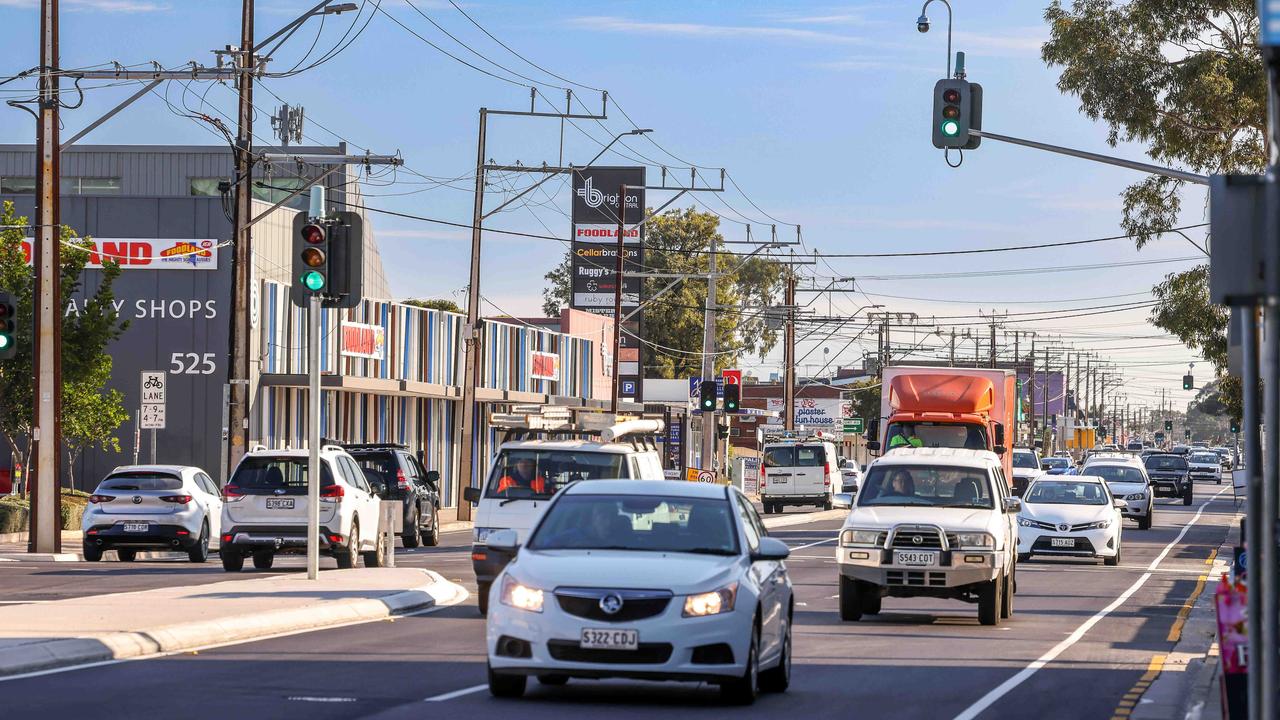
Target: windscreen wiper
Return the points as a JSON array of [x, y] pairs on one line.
[[708, 551]]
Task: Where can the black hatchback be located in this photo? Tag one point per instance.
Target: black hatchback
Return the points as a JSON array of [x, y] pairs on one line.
[[404, 479], [1170, 476]]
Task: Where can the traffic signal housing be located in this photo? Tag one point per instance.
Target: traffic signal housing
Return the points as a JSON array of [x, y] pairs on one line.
[[957, 109], [1168, 425], [8, 326], [1187, 433], [1188, 382], [707, 396], [1235, 426], [732, 396], [346, 261], [310, 260]]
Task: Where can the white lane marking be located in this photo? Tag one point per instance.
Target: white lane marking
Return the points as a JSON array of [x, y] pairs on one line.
[[1003, 688], [456, 693], [456, 600], [309, 698], [820, 542]]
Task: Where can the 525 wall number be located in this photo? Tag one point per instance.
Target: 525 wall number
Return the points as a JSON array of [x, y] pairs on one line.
[[181, 363]]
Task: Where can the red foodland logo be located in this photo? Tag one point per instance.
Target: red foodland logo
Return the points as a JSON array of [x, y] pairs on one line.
[[544, 365], [366, 341], [185, 248], [605, 232]]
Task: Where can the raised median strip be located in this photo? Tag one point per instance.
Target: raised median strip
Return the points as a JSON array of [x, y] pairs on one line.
[[103, 628], [789, 520]]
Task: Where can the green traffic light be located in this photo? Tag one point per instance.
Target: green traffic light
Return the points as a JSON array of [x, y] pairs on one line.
[[313, 281], [5, 342], [950, 128]]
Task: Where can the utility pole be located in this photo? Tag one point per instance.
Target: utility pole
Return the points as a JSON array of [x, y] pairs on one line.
[[46, 535], [709, 365], [788, 372], [1031, 392], [953, 347], [242, 251], [617, 298], [471, 333]]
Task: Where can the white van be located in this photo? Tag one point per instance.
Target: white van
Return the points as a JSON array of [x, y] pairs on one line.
[[799, 472], [527, 473]]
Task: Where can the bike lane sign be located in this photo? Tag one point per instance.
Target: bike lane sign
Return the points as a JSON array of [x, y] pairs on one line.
[[152, 416]]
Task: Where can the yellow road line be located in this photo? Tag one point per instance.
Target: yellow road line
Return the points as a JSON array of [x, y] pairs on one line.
[[1175, 632], [1130, 700], [1213, 554]]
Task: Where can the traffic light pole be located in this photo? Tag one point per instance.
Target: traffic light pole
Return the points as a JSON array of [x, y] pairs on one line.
[[708, 358], [313, 437], [1096, 157]]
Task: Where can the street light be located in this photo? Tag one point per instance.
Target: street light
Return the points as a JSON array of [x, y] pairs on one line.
[[922, 24], [637, 131]]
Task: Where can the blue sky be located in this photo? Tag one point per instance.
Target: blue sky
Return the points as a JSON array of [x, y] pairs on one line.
[[818, 110]]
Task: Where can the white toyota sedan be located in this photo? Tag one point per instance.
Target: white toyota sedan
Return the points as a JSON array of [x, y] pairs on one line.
[[1073, 516], [643, 579]]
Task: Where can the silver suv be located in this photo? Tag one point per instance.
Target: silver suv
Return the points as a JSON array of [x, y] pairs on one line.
[[1128, 480]]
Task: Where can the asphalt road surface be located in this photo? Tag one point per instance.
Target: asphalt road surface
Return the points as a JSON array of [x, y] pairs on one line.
[[1081, 638]]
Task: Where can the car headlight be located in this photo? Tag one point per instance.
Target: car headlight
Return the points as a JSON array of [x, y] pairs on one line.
[[1135, 496], [481, 534], [521, 596], [975, 540], [863, 538], [711, 603], [1026, 522], [1100, 525]]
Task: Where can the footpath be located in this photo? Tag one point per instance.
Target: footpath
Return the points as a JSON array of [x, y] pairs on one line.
[[99, 628]]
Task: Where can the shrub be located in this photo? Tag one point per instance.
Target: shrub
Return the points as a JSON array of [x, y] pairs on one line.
[[13, 514]]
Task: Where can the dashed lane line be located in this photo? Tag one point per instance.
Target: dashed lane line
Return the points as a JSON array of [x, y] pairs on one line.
[[456, 693], [1130, 699]]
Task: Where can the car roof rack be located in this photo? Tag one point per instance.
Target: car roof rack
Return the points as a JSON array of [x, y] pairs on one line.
[[356, 447], [556, 422]]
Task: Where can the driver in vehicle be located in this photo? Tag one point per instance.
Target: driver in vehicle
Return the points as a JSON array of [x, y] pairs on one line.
[[522, 476], [905, 437], [604, 527]]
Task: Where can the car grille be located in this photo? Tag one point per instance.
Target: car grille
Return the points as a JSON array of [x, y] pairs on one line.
[[636, 604], [1044, 525], [1044, 545], [1081, 526], [917, 539], [916, 578], [645, 654]]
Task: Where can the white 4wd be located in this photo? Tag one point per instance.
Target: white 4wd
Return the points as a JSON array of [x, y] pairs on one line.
[[264, 509], [933, 522]]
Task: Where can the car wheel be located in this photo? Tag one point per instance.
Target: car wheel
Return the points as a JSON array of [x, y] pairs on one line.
[[1144, 522], [127, 555], [92, 553], [506, 686], [263, 560], [232, 561], [431, 538], [826, 504], [553, 680], [1023, 557], [745, 689], [1186, 495], [850, 607], [200, 552], [989, 602], [1219, 479], [377, 557], [346, 556], [482, 597], [1006, 598], [1114, 560], [410, 536], [777, 679], [869, 598]]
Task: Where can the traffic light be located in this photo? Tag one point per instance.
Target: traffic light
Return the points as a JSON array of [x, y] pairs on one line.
[[310, 260], [346, 261], [732, 394], [1187, 433], [708, 396], [1168, 425], [8, 326], [1188, 382], [1235, 426], [957, 109]]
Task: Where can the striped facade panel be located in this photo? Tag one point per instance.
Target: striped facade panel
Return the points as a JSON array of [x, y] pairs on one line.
[[508, 352]]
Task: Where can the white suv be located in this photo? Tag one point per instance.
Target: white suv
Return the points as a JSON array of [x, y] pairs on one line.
[[1127, 478], [934, 522], [264, 509]]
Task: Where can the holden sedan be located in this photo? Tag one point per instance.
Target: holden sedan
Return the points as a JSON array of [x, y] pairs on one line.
[[1074, 516], [643, 579]]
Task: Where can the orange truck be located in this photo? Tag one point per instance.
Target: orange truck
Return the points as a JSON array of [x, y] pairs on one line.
[[970, 408]]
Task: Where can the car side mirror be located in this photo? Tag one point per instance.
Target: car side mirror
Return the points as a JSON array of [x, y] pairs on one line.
[[1012, 505], [770, 549], [1000, 449], [1118, 503], [433, 479], [842, 500], [999, 435], [504, 540], [471, 495]]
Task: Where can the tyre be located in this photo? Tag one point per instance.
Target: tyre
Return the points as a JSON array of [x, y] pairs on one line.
[[92, 553], [377, 557], [482, 597], [1144, 522], [1006, 598], [744, 690], [263, 560], [777, 679], [346, 557], [553, 680], [1115, 559], [232, 561], [200, 552], [1219, 478], [869, 599], [826, 504], [989, 601], [850, 606], [1186, 495], [410, 536], [127, 555], [506, 686], [1023, 557], [431, 538], [767, 507]]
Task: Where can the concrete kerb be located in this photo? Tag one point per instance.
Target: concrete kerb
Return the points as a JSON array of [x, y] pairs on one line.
[[66, 652], [789, 520]]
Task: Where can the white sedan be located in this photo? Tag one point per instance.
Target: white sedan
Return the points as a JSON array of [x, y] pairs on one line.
[[1072, 516], [643, 579]]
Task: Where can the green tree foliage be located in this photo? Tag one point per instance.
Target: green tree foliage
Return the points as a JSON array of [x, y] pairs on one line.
[[1184, 78], [436, 304], [90, 414], [677, 241]]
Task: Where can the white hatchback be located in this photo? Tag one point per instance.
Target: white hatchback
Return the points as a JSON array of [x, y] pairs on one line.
[[643, 579], [1073, 516], [152, 507]]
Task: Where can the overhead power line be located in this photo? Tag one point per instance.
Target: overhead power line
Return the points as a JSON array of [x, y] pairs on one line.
[[1007, 248]]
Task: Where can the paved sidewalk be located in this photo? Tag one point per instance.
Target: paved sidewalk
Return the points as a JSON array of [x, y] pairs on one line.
[[99, 628]]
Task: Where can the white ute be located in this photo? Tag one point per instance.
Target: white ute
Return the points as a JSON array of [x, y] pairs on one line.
[[933, 522]]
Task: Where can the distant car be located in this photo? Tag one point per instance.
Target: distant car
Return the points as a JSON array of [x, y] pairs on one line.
[[152, 507], [643, 579], [404, 479], [1170, 476], [1127, 479], [1205, 465], [1075, 516], [1225, 458], [1180, 450], [1134, 446], [1056, 465], [798, 472], [1026, 467], [850, 475]]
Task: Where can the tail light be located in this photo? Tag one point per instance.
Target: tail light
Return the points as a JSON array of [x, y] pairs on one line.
[[332, 491], [226, 539], [335, 539], [402, 482], [761, 474], [176, 499], [101, 498], [232, 493], [826, 474]]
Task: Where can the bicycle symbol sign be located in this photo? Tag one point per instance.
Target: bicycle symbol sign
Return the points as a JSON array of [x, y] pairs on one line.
[[153, 387]]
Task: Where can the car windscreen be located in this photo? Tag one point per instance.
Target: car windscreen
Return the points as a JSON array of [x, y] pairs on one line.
[[531, 474], [926, 485], [1056, 462], [780, 456], [1116, 473], [1025, 460], [936, 435], [141, 481], [1065, 492], [260, 475], [378, 467], [1205, 458], [1166, 463], [647, 523]]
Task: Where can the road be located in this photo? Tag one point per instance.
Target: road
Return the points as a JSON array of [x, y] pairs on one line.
[[919, 659]]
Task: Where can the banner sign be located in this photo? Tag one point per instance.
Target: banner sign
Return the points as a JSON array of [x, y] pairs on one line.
[[363, 341], [544, 365], [816, 413], [147, 253]]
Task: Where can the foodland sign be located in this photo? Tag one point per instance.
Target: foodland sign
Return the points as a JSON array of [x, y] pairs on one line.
[[364, 341], [146, 253]]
